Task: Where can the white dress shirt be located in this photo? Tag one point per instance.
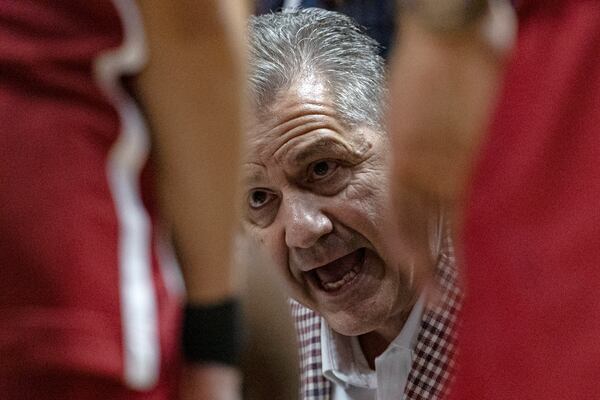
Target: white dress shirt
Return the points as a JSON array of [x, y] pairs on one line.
[[345, 365]]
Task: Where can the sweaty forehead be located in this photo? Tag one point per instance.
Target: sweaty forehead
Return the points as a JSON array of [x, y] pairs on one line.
[[303, 110]]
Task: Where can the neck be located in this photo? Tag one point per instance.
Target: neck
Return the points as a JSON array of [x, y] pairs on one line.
[[374, 343]]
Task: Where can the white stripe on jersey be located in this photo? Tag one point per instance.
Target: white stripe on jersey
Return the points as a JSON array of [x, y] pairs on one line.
[[126, 159]]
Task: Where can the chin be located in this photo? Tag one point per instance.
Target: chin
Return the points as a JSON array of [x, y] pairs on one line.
[[349, 325]]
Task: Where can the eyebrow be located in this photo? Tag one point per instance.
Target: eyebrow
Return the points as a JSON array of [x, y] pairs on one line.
[[257, 174], [327, 146]]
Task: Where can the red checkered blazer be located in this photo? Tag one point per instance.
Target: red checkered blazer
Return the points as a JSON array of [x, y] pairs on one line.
[[433, 360]]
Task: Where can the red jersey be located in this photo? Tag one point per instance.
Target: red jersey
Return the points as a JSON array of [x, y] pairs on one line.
[[80, 284], [531, 326]]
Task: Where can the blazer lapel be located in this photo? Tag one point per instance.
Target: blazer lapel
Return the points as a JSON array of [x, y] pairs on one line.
[[313, 385], [433, 361]]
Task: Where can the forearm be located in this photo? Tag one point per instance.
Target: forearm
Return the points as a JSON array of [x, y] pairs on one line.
[[442, 90], [443, 87], [193, 91]]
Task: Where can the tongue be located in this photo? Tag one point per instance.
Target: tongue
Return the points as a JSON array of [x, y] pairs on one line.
[[336, 270]]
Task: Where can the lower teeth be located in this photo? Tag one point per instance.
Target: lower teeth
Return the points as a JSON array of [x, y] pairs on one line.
[[345, 279]]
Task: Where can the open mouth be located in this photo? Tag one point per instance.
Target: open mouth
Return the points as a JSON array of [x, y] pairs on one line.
[[341, 272]]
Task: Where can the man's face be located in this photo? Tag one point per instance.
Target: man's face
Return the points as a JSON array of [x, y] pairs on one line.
[[316, 200]]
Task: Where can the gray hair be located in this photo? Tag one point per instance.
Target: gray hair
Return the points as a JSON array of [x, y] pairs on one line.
[[290, 46]]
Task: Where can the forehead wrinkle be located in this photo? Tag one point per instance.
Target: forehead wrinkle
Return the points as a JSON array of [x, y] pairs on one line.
[[289, 140], [270, 139], [299, 126], [291, 128], [291, 106], [293, 114]]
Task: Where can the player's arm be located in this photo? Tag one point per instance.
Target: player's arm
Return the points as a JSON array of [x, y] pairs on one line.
[[192, 90], [445, 70]]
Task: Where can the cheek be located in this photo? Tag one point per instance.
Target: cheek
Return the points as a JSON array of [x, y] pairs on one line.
[[367, 209], [273, 246], [368, 192]]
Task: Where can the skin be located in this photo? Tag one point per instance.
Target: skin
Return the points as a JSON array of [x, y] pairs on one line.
[[316, 191], [442, 89], [190, 90]]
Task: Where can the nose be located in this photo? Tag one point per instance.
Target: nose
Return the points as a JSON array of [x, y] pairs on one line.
[[305, 221]]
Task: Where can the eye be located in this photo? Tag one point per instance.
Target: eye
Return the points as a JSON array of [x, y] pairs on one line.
[[259, 198], [322, 169]]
